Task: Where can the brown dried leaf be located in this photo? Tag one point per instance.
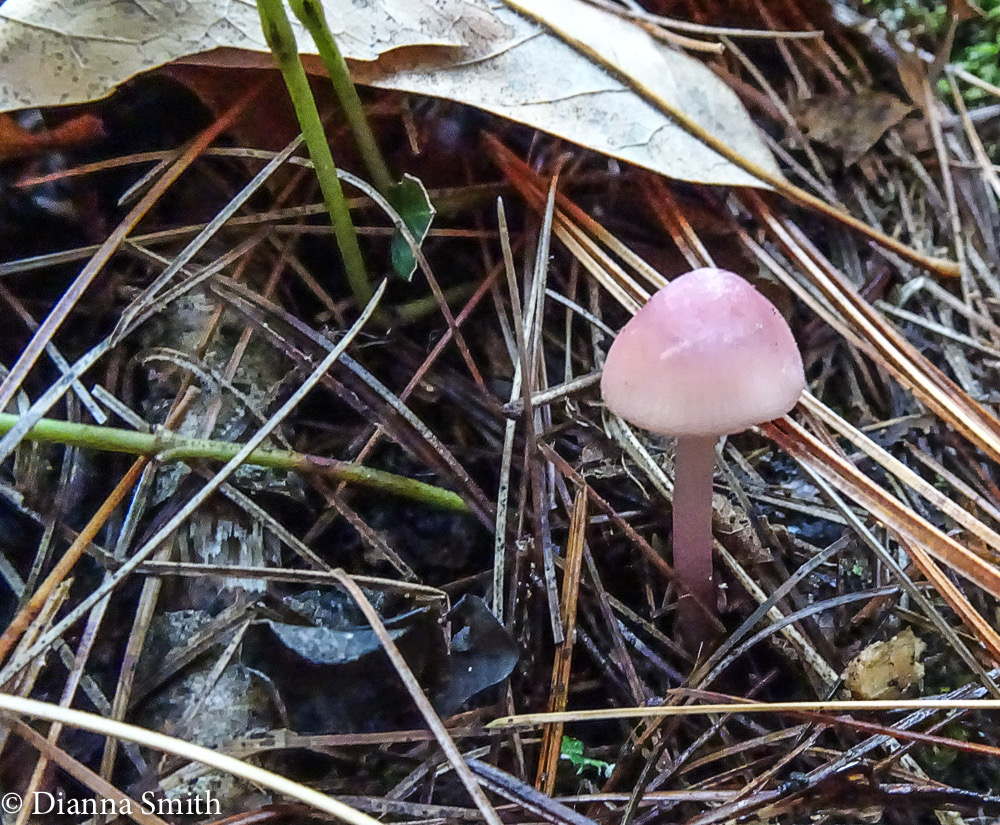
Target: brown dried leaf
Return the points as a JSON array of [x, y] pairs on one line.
[[852, 125], [479, 53]]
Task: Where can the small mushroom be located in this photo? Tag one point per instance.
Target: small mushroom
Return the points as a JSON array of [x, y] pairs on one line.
[[706, 356]]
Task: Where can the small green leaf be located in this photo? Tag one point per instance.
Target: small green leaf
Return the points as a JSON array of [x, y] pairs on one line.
[[572, 750], [410, 200]]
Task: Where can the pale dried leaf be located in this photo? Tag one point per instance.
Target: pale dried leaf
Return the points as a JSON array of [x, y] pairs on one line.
[[887, 670], [477, 52]]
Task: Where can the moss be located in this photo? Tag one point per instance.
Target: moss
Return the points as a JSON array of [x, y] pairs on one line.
[[977, 42]]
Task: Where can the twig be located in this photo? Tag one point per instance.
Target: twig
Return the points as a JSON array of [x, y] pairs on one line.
[[561, 666]]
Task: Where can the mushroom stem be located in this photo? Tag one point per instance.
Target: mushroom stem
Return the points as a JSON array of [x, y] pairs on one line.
[[694, 467]]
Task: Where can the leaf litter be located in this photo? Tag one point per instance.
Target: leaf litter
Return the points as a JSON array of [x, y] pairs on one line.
[[839, 528], [475, 52]]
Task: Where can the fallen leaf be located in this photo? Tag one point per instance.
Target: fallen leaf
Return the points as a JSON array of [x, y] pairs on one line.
[[852, 124], [333, 675], [481, 654], [329, 646], [476, 52], [534, 77], [887, 670]]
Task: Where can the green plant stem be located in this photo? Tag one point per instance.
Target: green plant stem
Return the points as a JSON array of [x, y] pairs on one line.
[[310, 12], [419, 308], [167, 446], [281, 40]]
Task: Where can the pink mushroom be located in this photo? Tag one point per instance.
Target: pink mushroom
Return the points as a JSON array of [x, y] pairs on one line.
[[706, 356]]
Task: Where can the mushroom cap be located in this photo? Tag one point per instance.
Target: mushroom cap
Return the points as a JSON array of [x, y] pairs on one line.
[[707, 355]]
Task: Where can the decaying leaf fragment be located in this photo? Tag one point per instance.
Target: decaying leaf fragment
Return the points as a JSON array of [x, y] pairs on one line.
[[853, 124], [887, 670], [477, 52], [334, 676]]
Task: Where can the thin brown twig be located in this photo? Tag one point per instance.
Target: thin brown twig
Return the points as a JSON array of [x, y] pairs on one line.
[[562, 663]]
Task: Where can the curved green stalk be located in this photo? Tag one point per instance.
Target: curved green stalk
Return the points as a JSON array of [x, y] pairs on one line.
[[281, 40], [419, 308], [310, 12], [168, 446], [407, 195]]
